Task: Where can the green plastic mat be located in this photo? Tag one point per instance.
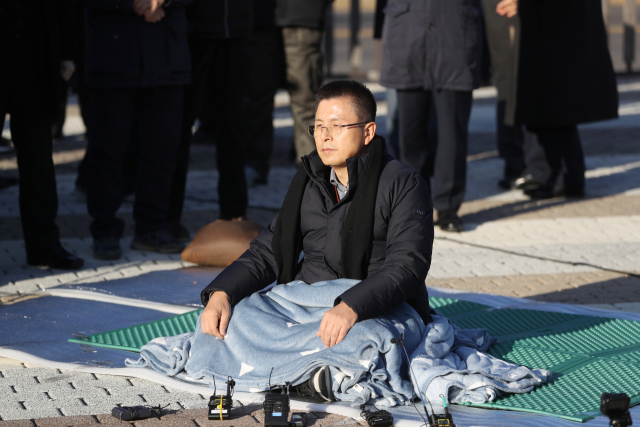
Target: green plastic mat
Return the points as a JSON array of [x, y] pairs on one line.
[[587, 355], [134, 337]]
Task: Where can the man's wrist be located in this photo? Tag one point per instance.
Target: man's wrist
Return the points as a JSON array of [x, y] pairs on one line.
[[222, 292]]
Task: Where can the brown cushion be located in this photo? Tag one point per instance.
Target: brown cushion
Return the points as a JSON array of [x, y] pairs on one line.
[[220, 243]]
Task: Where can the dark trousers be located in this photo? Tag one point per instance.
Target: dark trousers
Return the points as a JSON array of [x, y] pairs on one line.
[[562, 145], [265, 63], [220, 64], [510, 143], [446, 158], [23, 94], [156, 112]]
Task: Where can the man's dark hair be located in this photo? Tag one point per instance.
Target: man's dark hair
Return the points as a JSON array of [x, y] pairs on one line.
[[359, 95]]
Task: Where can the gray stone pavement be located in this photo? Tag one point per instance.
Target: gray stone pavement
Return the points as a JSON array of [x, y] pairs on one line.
[[577, 251]]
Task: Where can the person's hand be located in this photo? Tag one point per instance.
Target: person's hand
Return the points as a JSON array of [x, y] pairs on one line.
[[142, 6], [155, 16], [216, 315], [507, 7], [66, 69], [336, 324]]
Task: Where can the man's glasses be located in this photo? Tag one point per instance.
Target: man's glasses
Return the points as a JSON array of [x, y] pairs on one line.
[[333, 130]]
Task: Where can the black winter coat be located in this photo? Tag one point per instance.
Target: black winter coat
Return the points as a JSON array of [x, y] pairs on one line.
[[432, 44], [58, 40], [123, 50], [264, 13], [565, 75], [220, 19], [402, 243], [301, 13]]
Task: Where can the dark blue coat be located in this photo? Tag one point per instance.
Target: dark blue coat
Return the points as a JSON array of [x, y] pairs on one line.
[[123, 50], [432, 44]]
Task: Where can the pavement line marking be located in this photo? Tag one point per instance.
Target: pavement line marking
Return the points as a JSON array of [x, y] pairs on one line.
[[112, 299]]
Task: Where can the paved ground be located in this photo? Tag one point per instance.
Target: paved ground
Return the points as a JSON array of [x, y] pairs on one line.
[[578, 251]]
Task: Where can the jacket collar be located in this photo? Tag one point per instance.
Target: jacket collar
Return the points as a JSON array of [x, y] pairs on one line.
[[319, 172]]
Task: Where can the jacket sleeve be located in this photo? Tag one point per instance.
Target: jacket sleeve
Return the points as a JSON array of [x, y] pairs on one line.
[[125, 6], [408, 253], [253, 271]]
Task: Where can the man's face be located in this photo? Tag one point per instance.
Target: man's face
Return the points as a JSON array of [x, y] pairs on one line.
[[334, 150]]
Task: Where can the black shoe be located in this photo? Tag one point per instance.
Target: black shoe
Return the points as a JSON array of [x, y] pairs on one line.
[[450, 221], [159, 241], [527, 182], [57, 257], [571, 193], [179, 232], [318, 386], [107, 248], [540, 193]]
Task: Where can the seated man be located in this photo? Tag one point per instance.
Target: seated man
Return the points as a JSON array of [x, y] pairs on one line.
[[355, 212]]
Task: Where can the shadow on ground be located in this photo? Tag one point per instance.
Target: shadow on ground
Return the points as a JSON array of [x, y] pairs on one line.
[[619, 290]]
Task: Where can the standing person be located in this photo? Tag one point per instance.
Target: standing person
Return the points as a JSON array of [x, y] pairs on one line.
[[565, 77], [432, 50], [217, 37], [525, 166], [137, 61], [302, 23], [265, 66], [36, 46]]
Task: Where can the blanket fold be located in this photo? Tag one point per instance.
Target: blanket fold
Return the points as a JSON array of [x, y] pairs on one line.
[[277, 329]]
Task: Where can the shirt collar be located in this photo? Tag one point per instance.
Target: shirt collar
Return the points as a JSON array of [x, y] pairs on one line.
[[343, 190]]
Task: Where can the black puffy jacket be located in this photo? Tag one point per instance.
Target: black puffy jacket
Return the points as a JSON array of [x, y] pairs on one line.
[[402, 244], [301, 13]]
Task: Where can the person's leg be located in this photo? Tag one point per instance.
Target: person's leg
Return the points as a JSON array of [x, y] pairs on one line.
[[264, 64], [413, 111], [453, 109], [536, 171], [573, 157], [510, 147], [228, 75], [201, 54], [31, 135], [553, 142], [393, 134], [304, 78], [113, 120], [159, 114]]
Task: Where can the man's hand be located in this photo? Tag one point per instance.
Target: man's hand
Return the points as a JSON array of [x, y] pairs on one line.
[[155, 16], [66, 69], [507, 7], [216, 315], [336, 324], [141, 7]]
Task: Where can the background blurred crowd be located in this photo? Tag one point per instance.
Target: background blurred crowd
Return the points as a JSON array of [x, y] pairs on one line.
[[146, 70]]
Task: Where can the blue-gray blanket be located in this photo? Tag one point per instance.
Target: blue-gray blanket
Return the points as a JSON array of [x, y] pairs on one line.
[[277, 328]]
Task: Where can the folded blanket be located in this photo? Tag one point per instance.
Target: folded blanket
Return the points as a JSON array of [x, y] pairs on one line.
[[277, 329]]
